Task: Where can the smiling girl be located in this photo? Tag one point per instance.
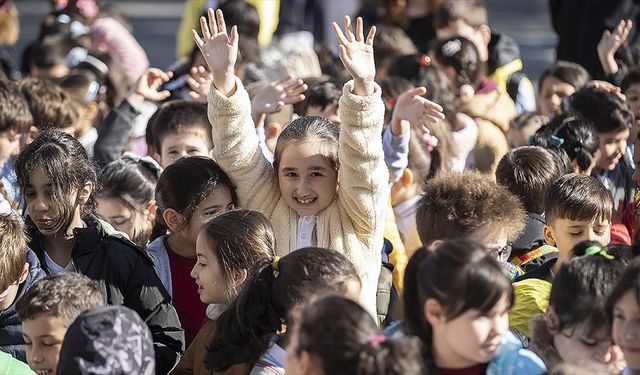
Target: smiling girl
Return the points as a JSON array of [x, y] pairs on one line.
[[327, 187]]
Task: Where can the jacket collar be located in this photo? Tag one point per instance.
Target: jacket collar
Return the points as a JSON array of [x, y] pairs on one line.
[[86, 239]]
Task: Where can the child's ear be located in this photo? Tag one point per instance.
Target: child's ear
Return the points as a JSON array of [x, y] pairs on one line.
[[85, 192], [24, 273], [549, 235], [92, 110], [433, 312], [485, 31], [273, 130], [151, 208], [551, 319], [407, 178], [174, 220], [308, 363]]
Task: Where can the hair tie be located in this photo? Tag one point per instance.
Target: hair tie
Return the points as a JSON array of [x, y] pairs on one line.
[[275, 264], [452, 47], [596, 250], [424, 61], [376, 340], [557, 141], [391, 101]]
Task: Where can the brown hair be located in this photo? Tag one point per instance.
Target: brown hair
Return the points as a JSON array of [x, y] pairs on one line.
[[14, 109], [454, 205], [63, 295], [577, 197], [241, 240], [315, 129], [49, 104], [472, 12], [391, 41], [13, 249], [180, 116]]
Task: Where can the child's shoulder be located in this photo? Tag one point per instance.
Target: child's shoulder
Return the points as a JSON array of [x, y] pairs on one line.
[[514, 359]]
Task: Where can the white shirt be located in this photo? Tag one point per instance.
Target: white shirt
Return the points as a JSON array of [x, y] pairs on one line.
[[305, 232], [55, 267]]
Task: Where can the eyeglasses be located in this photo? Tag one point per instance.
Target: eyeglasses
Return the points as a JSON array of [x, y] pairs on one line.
[[501, 253]]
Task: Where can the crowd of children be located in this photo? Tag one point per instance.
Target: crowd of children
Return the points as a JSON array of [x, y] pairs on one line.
[[385, 208]]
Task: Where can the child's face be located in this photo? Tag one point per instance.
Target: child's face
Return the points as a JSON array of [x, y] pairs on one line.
[[8, 296], [9, 142], [178, 145], [626, 328], [122, 217], [613, 145], [43, 336], [552, 91], [307, 180], [495, 240], [576, 347], [208, 273], [483, 336], [218, 201], [45, 213], [565, 234]]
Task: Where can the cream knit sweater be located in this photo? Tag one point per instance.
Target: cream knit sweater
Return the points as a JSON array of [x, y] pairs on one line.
[[354, 223]]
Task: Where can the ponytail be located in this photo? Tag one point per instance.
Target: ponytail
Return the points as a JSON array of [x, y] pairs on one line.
[[245, 329]]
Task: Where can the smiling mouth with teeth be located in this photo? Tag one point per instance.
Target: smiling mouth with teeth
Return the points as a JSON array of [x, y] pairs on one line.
[[305, 200]]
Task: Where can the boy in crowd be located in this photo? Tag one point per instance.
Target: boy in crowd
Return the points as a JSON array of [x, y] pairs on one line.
[[50, 106], [528, 172], [19, 270], [181, 128], [469, 205], [468, 18], [48, 309]]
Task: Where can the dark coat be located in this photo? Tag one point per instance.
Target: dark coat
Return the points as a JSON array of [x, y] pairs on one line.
[[11, 340], [127, 277]]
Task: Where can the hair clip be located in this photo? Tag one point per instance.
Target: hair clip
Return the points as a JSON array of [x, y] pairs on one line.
[[146, 160], [92, 92], [452, 47], [275, 265], [376, 340], [556, 141], [425, 61], [596, 250]]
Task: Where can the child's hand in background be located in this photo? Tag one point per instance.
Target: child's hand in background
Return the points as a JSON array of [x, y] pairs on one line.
[[277, 94], [412, 108], [200, 83], [146, 87], [356, 54], [219, 50], [609, 44]]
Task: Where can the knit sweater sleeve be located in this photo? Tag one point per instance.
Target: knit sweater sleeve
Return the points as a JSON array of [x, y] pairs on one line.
[[364, 177], [236, 149]]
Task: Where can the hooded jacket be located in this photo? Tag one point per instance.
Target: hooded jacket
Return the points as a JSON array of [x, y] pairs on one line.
[[127, 277], [11, 340]]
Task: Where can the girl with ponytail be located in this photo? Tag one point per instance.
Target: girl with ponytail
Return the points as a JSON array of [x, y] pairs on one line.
[[337, 336], [457, 299], [253, 329], [576, 137]]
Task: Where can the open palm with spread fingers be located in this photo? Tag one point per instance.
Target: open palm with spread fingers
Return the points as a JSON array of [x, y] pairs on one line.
[[219, 50], [356, 54]]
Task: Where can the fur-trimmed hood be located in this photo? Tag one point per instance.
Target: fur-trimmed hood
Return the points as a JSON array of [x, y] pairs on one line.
[[542, 342]]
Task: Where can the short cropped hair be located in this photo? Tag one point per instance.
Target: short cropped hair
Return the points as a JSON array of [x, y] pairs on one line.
[[577, 197], [606, 111], [179, 116], [13, 249], [454, 205], [391, 41], [63, 295], [14, 109], [472, 12], [631, 78], [50, 105], [527, 172]]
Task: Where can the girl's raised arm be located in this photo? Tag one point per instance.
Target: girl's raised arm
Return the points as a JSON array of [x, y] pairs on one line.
[[219, 50]]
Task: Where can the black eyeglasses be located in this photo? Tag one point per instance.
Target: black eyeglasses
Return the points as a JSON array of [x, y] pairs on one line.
[[501, 253]]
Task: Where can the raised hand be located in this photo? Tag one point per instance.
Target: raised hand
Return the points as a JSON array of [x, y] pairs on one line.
[[146, 87], [220, 50], [277, 94], [611, 41], [412, 107], [356, 54], [200, 82]]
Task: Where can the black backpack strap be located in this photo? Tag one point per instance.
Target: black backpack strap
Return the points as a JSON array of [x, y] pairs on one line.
[[513, 82]]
